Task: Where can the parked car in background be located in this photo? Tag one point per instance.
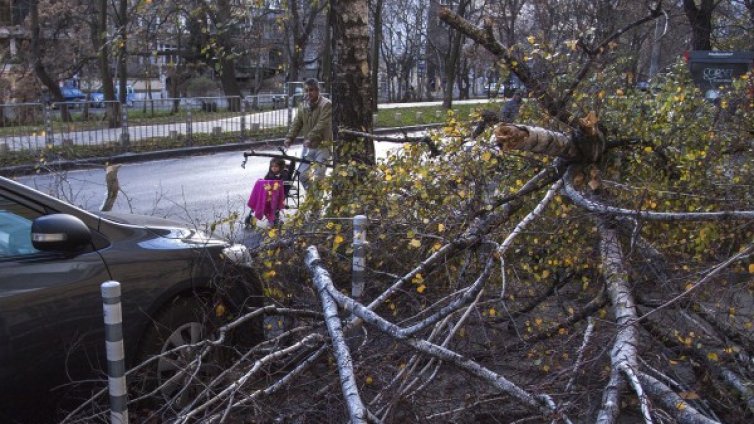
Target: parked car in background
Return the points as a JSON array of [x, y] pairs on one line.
[[71, 95], [177, 286], [97, 97]]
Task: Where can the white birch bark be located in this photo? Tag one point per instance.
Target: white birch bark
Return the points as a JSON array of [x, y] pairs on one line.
[[322, 280], [672, 403], [534, 214], [604, 209], [623, 353], [539, 403]]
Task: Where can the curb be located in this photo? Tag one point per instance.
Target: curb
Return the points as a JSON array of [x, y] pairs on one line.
[[67, 165]]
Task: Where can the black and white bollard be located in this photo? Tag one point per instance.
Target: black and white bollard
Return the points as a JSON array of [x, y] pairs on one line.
[[116, 357], [359, 256]]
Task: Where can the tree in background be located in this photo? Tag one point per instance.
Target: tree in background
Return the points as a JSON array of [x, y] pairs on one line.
[[299, 23]]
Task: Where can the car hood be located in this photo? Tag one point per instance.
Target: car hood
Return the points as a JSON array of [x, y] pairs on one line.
[[162, 227]]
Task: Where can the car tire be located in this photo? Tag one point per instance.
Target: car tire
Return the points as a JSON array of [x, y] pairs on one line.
[[186, 320]]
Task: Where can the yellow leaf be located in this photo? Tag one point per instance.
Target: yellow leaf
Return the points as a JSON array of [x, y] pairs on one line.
[[648, 149], [493, 312], [712, 356], [681, 405], [531, 39], [538, 321], [440, 228], [486, 156], [369, 379], [337, 241], [545, 274], [421, 288], [437, 246], [415, 243], [751, 268], [273, 233]]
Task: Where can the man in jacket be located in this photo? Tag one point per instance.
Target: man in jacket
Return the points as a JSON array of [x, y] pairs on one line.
[[510, 110], [314, 121]]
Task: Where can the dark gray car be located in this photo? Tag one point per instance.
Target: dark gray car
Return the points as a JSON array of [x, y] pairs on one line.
[[53, 258]]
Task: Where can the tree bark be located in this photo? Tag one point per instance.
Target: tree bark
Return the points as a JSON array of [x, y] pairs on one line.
[[227, 64], [351, 89], [376, 41], [700, 19], [454, 58], [37, 64], [99, 42], [122, 50]]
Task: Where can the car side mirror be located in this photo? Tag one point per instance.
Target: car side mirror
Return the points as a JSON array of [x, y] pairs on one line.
[[60, 233]]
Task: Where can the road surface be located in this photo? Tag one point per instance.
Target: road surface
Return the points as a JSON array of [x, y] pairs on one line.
[[199, 190]]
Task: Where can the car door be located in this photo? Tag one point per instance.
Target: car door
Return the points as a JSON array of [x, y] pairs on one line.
[[50, 307]]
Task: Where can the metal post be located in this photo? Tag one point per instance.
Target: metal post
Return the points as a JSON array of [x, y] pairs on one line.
[[189, 140], [49, 139], [359, 260], [116, 357], [290, 111], [125, 140], [243, 117]]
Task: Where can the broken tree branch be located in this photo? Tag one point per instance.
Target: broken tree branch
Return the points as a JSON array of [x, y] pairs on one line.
[[485, 38], [433, 149], [322, 279], [673, 404], [541, 403], [623, 354], [604, 209]]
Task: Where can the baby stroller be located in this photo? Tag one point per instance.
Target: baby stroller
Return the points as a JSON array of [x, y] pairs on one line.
[[291, 188]]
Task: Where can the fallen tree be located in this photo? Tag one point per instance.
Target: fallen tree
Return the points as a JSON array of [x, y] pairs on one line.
[[580, 266]]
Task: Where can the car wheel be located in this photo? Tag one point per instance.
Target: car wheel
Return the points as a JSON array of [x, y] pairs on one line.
[[175, 379]]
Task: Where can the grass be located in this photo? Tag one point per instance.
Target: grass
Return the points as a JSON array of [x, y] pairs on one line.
[[402, 117]]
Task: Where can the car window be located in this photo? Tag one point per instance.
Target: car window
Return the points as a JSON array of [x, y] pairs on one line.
[[15, 229]]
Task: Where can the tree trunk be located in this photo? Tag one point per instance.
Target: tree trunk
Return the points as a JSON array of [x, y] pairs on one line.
[[122, 50], [351, 90], [376, 53], [453, 59], [227, 64], [40, 71], [327, 56], [700, 19], [351, 98], [99, 41]]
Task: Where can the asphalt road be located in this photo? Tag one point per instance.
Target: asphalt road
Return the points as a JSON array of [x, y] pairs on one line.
[[199, 190]]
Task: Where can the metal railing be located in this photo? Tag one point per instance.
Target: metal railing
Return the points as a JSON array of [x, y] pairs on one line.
[[36, 128]]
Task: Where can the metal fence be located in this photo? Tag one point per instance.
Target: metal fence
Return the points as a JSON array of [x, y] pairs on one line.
[[35, 127]]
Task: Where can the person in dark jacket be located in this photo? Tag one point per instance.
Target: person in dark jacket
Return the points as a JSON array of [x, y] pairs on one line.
[[509, 112]]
